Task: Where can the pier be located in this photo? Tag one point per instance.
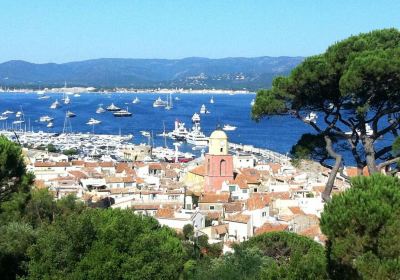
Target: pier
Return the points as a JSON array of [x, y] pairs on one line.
[[264, 153]]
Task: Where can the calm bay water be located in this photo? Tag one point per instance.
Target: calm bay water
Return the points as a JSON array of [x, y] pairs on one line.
[[276, 133]]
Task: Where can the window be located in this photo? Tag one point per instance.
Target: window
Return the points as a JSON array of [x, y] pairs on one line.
[[221, 150], [244, 191], [222, 168], [264, 214], [255, 190], [232, 188], [212, 207]]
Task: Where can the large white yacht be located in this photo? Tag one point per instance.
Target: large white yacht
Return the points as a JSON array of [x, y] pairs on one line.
[[195, 118], [196, 136], [180, 132]]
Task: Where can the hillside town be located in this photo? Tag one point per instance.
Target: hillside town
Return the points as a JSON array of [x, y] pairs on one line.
[[227, 194]]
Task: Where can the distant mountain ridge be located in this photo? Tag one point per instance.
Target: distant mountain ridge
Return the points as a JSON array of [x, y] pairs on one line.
[[192, 72]]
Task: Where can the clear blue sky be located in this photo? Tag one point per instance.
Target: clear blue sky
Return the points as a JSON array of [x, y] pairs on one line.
[[70, 30]]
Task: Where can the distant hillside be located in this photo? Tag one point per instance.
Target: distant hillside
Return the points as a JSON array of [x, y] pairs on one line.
[[194, 72]]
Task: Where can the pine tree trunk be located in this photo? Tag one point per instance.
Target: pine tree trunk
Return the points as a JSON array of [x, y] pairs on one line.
[[370, 155], [326, 194]]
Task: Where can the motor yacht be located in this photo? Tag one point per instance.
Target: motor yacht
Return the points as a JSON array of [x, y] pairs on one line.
[[311, 118], [180, 132], [93, 121], [136, 100], [228, 127], [70, 114], [50, 125], [212, 100], [203, 110], [46, 119], [67, 100], [122, 113], [195, 118], [55, 105], [113, 108], [43, 97], [100, 110], [196, 136], [159, 103]]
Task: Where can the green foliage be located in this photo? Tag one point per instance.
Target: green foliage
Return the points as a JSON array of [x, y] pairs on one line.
[[13, 177], [396, 147], [363, 228], [353, 79], [40, 209], [106, 244], [279, 255], [15, 239], [51, 148], [188, 231], [70, 152], [310, 146]]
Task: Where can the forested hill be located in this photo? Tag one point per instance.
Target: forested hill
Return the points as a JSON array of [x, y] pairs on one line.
[[194, 72]]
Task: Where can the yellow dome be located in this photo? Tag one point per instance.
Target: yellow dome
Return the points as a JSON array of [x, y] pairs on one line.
[[218, 134]]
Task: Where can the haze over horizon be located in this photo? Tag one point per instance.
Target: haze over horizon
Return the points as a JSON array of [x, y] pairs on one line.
[[64, 31]]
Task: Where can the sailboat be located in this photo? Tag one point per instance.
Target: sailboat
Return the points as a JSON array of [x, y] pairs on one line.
[[136, 100], [212, 100], [169, 103]]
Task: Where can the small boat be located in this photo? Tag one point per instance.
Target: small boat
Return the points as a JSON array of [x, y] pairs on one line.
[[46, 119], [77, 95], [43, 97], [93, 121], [159, 103], [18, 121], [177, 98], [50, 125], [3, 118], [18, 114], [368, 131], [136, 100], [145, 133], [252, 102], [228, 127], [122, 113], [311, 118], [195, 118], [100, 110], [8, 112], [55, 105], [70, 114], [67, 100], [113, 108], [203, 110], [212, 100], [41, 92]]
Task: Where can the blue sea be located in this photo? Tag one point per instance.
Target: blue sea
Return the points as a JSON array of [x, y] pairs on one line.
[[276, 133]]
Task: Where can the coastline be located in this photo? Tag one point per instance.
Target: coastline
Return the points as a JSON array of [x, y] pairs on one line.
[[89, 90]]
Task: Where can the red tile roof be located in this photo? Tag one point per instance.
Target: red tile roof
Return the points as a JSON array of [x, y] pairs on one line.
[[238, 218], [199, 170], [268, 227], [214, 198]]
